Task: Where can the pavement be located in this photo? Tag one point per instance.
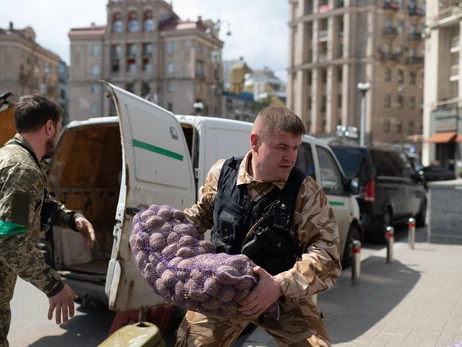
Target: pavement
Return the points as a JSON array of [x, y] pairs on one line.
[[414, 301]]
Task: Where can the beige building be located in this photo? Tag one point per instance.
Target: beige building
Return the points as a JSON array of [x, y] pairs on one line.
[[336, 44], [147, 49], [25, 66], [443, 89]]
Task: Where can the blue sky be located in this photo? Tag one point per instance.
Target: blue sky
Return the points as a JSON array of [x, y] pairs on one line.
[[259, 28]]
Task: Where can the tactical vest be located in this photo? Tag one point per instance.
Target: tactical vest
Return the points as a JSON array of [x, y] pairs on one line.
[[234, 214]]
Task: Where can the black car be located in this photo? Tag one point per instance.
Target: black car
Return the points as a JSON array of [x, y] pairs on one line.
[[390, 189], [436, 173]]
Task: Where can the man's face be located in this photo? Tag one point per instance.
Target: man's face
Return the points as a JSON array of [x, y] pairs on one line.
[[276, 155], [53, 140]]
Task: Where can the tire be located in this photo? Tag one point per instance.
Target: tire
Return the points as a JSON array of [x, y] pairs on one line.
[[421, 217], [353, 234]]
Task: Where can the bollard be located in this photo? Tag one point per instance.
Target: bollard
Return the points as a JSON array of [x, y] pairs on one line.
[[390, 235], [411, 233], [356, 262]]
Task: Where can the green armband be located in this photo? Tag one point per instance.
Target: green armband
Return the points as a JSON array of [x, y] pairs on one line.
[[10, 228]]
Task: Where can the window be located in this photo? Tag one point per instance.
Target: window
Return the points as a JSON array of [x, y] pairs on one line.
[[94, 108], [199, 47], [323, 103], [115, 65], [148, 25], [309, 103], [305, 160], [170, 47], [400, 101], [95, 88], [412, 102], [400, 76], [115, 51], [132, 22], [131, 50], [170, 107], [386, 125], [387, 101], [95, 50], [43, 88], [309, 78], [147, 66], [170, 68], [411, 128], [339, 100], [412, 77], [399, 127], [145, 89], [331, 177], [131, 65], [324, 76], [340, 75], [130, 87], [169, 86], [95, 69], [147, 49], [400, 26], [117, 24], [198, 88], [387, 74], [386, 163]]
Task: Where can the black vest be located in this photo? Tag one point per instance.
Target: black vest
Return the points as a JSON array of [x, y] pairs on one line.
[[234, 214]]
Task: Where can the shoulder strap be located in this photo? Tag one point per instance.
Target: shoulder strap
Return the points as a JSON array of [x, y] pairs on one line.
[[32, 154]]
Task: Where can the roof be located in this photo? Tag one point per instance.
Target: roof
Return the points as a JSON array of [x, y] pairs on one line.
[[176, 24], [91, 30]]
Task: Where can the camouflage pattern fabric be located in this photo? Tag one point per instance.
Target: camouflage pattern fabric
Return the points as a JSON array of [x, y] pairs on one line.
[[299, 325], [20, 175], [313, 228]]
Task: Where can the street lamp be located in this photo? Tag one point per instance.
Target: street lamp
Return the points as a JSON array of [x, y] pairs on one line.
[[198, 106], [363, 88]]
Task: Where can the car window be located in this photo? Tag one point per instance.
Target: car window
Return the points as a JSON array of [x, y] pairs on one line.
[[387, 163], [331, 176], [407, 167], [353, 161], [305, 160]]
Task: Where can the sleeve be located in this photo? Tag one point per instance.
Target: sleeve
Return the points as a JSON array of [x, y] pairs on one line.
[[19, 254], [22, 194], [201, 213], [314, 223], [63, 217]]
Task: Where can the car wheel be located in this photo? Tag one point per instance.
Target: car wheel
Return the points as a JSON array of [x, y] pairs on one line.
[[421, 217], [353, 234]]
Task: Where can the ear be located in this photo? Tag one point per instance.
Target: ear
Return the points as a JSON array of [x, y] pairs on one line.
[[49, 127], [254, 141]]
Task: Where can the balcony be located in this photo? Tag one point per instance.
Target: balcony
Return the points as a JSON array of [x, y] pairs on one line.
[[455, 44], [446, 16], [390, 31], [415, 36], [415, 11], [415, 60], [322, 57], [391, 5], [323, 35], [393, 57]]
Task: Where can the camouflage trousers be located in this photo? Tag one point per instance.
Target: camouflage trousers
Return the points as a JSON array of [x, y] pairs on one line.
[[7, 283], [300, 325]]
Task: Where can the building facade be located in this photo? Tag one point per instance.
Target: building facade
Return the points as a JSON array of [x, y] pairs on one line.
[[63, 90], [337, 44], [443, 90], [266, 87], [147, 49], [25, 66]]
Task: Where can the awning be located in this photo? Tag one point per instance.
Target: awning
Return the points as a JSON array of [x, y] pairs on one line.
[[459, 138], [442, 137]]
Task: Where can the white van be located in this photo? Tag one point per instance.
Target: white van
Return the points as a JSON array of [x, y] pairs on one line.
[[109, 168]]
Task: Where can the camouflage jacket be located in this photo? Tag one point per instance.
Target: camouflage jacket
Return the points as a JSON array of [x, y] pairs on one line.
[[22, 187], [313, 228]]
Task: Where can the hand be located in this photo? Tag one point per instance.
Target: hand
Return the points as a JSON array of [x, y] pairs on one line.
[[266, 292], [63, 302], [85, 229]]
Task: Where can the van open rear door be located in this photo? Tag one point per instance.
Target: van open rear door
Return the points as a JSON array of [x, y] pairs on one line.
[[157, 170]]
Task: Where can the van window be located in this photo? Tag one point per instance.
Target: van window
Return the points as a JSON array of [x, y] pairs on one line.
[[354, 162], [305, 160], [387, 163], [331, 176]]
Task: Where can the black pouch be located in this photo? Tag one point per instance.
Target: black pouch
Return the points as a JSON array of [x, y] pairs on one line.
[[48, 212]]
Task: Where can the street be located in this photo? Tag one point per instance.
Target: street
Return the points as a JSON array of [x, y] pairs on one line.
[[89, 327]]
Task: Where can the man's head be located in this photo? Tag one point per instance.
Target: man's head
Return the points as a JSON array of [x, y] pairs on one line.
[[275, 139], [39, 120]]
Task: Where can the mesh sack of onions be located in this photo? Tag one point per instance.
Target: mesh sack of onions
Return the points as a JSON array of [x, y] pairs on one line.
[[187, 271]]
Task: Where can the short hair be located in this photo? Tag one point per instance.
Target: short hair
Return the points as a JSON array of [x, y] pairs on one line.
[[33, 111], [279, 118]]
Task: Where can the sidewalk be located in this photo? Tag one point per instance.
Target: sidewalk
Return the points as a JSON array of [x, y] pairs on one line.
[[415, 301]]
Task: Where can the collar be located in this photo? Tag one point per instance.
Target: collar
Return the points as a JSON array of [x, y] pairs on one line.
[[245, 177], [20, 139]]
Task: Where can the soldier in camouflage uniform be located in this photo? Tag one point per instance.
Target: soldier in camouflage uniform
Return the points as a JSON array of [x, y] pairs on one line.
[[23, 200], [275, 139]]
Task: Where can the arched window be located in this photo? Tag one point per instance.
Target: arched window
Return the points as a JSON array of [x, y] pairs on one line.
[[132, 22], [117, 23], [148, 25]]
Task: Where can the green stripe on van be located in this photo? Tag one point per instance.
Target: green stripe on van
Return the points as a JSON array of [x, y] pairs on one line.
[[158, 150], [336, 203]]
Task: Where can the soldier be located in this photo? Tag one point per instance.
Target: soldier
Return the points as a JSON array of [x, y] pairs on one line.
[[263, 206], [26, 209]]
